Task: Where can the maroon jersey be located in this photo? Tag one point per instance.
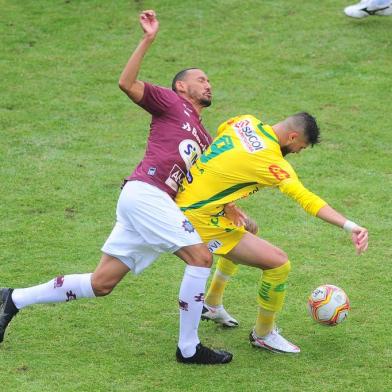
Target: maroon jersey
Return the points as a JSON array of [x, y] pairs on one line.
[[177, 138]]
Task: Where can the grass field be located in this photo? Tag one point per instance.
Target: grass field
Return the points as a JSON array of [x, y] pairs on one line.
[[68, 136]]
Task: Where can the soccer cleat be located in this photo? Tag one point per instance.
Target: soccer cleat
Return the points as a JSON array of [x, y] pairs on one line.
[[7, 310], [205, 356], [368, 8], [274, 342], [218, 315]]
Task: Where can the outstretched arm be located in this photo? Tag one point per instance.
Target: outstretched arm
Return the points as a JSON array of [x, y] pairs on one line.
[[312, 204], [128, 83], [359, 234]]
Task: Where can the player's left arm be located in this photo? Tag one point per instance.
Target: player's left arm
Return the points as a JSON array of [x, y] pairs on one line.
[[239, 218]]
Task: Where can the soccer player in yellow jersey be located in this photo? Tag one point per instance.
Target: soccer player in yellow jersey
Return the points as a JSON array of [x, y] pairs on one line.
[[246, 156]]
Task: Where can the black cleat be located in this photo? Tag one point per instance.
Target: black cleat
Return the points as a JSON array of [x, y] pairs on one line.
[[7, 310], [205, 356]]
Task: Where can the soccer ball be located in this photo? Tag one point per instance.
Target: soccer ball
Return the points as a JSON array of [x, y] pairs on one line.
[[328, 305]]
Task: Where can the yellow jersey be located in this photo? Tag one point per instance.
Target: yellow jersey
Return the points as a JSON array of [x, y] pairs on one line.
[[244, 158]]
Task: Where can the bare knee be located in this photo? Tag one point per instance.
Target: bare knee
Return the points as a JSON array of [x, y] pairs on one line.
[[277, 258], [109, 272], [101, 287], [203, 259], [196, 255], [281, 257]]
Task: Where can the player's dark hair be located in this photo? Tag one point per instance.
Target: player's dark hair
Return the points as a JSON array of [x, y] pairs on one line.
[[309, 126], [180, 76]]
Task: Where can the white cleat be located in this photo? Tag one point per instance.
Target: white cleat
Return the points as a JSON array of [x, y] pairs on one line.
[[274, 342], [369, 8], [219, 315]]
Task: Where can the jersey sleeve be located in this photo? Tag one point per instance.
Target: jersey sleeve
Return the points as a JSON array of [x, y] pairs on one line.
[[288, 183], [157, 99], [310, 202]]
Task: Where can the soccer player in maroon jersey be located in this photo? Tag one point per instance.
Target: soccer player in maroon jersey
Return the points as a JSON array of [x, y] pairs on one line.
[[148, 221]]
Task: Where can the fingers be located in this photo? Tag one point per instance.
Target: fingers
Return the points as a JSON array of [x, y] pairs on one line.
[[363, 233], [240, 220], [235, 214], [360, 239], [251, 226], [149, 23], [361, 248], [148, 14]]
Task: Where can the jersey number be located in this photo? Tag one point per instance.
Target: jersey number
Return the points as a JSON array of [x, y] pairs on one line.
[[219, 146], [278, 173]]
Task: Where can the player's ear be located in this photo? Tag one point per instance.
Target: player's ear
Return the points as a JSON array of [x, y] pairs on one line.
[[180, 86], [293, 136]]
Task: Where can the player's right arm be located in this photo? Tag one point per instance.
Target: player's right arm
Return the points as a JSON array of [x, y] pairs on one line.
[[318, 207], [359, 235], [128, 80]]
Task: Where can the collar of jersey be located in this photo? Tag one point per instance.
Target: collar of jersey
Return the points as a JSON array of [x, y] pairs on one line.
[[194, 111], [267, 134]]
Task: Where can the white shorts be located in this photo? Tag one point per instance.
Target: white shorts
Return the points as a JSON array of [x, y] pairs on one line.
[[148, 223]]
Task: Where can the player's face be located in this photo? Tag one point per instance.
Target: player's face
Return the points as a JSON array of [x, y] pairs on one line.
[[198, 87], [296, 144]]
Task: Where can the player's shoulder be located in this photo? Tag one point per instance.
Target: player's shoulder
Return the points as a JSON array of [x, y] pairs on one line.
[[243, 118], [239, 121], [162, 92], [157, 99]]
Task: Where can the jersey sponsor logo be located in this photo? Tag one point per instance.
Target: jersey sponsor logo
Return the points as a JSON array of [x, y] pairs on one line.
[[278, 172], [175, 177], [249, 193], [186, 126], [214, 245], [248, 136], [151, 171], [189, 151], [189, 177]]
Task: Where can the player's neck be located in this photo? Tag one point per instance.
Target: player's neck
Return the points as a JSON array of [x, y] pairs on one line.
[[196, 105], [280, 131]]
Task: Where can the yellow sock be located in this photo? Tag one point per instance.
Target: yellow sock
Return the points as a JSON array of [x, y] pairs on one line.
[[225, 269], [265, 322], [271, 296]]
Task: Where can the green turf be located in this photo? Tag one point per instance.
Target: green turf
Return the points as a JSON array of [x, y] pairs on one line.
[[69, 136]]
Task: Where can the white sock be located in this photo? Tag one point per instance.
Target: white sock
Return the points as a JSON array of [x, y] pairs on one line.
[[191, 305], [60, 289], [379, 3]]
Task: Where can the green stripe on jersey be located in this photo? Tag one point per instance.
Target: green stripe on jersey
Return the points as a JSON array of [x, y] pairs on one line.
[[218, 196], [265, 133]]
